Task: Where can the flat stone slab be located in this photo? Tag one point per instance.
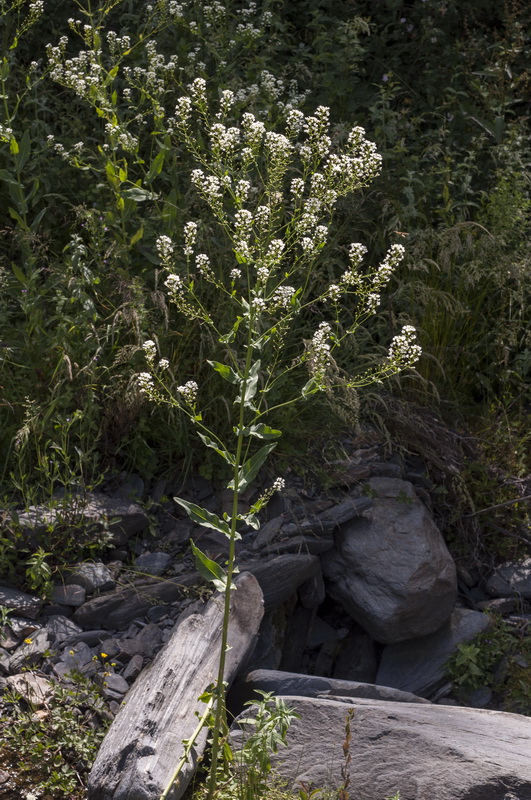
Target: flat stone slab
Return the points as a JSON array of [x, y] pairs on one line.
[[426, 752], [21, 602], [144, 743], [293, 683]]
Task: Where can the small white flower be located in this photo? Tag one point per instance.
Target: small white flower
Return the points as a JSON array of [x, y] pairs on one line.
[[164, 247], [164, 363], [190, 237], [278, 484], [235, 274], [150, 349], [404, 350], [145, 383], [189, 392]]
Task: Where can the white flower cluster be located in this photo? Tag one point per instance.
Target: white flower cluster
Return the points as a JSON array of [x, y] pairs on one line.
[[235, 274], [404, 350], [117, 44], [318, 352], [198, 92], [393, 257], [297, 187], [253, 130], [243, 224], [165, 248], [278, 484], [209, 186], [272, 86], [224, 140], [145, 383], [242, 190], [175, 287], [262, 216], [150, 349], [351, 277], [282, 296], [190, 238], [189, 392], [202, 263], [164, 363], [274, 252], [183, 110]]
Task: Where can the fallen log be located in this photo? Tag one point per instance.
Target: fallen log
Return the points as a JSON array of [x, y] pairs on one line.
[[145, 741]]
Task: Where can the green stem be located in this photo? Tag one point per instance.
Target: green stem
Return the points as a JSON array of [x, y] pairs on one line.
[[220, 719]]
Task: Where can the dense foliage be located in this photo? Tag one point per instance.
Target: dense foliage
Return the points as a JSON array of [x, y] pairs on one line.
[[94, 170]]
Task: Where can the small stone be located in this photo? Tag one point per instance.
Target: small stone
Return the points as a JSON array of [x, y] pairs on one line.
[[71, 595], [500, 605], [30, 651], [91, 576], [21, 628], [21, 602], [157, 613], [480, 698], [33, 688], [134, 668], [113, 685], [153, 563], [5, 658], [61, 628]]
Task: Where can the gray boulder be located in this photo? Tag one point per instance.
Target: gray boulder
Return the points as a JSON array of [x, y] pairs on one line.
[[419, 666], [390, 569], [294, 683], [511, 579], [426, 752]]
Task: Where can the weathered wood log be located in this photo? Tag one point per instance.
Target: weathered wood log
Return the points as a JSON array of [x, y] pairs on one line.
[[144, 743]]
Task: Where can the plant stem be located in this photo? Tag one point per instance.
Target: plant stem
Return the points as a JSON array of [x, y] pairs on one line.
[[220, 719]]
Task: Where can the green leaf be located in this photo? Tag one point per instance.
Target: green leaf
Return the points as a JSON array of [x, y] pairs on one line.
[[310, 388], [203, 517], [225, 371], [19, 275], [156, 166], [23, 152], [137, 236], [13, 146], [250, 469], [261, 431], [229, 337], [251, 386], [210, 570], [7, 177], [138, 195], [16, 216], [225, 455]]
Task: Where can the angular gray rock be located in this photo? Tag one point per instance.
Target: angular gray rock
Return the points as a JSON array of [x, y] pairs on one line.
[[153, 563], [296, 684], [143, 745], [91, 511], [511, 579], [33, 688], [419, 666], [20, 602], [115, 610], [280, 576], [427, 752], [390, 569], [92, 576]]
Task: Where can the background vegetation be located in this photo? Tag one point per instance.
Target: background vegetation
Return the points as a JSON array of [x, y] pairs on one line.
[[91, 174]]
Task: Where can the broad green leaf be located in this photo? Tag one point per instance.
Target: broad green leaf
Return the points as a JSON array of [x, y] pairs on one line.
[[19, 275], [250, 469], [251, 386], [7, 177], [208, 442], [16, 216], [13, 146], [309, 388], [203, 517], [23, 152], [137, 236], [261, 431], [156, 166], [209, 569], [138, 195], [225, 371]]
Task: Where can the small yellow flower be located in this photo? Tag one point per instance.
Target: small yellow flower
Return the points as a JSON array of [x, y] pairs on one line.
[[71, 652], [28, 640], [103, 655]]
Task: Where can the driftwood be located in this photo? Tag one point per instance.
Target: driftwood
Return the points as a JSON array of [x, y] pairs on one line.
[[144, 743]]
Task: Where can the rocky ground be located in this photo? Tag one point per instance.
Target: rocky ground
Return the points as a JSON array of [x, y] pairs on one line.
[[358, 588]]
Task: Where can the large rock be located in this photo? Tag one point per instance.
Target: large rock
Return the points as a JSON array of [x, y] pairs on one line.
[[280, 576], [419, 666], [297, 684], [390, 569], [145, 742], [115, 610], [426, 752], [511, 579], [90, 512]]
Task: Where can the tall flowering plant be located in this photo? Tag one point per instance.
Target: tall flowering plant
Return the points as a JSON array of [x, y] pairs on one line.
[[273, 194]]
